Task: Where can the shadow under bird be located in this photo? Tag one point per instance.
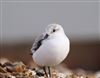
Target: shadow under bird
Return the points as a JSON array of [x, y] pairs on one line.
[[50, 48]]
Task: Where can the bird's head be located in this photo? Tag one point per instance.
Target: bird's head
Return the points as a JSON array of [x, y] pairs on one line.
[[53, 29]]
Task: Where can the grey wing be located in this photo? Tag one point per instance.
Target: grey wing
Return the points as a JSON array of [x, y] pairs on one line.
[[37, 43]]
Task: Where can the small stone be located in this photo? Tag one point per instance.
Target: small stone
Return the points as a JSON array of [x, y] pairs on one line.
[[19, 66], [61, 75], [2, 70], [7, 64], [30, 72], [39, 73], [10, 76]]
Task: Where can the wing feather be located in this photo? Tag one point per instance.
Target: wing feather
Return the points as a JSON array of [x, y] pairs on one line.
[[37, 43]]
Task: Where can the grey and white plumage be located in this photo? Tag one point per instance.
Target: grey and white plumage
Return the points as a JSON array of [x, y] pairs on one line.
[[51, 47]]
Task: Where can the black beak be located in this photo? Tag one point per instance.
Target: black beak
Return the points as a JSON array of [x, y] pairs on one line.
[[46, 36]]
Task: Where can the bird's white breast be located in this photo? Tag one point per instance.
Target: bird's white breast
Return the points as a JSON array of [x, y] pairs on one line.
[[52, 51]]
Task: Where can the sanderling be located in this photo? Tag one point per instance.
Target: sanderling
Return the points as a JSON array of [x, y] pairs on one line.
[[51, 47]]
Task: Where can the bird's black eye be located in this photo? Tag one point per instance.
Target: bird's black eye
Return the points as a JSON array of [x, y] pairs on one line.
[[54, 30]]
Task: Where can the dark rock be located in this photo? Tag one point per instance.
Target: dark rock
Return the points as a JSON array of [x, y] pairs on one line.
[[38, 73]]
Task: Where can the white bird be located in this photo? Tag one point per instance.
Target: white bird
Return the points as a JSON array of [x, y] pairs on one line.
[[51, 47]]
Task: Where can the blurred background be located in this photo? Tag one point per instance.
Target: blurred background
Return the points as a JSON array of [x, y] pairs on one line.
[[21, 21]]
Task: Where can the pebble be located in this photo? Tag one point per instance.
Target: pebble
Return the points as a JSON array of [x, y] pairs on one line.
[[20, 70]]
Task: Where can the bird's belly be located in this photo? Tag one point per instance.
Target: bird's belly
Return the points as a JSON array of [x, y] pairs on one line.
[[52, 54]]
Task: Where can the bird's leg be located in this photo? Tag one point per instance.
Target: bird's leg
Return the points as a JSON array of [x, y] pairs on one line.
[[44, 68], [49, 71]]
